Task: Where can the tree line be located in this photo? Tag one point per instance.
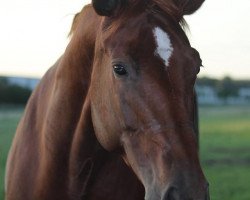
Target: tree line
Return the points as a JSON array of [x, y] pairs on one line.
[[13, 93], [225, 87]]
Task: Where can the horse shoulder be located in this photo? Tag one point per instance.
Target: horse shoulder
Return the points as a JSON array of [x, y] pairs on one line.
[[23, 156], [41, 148]]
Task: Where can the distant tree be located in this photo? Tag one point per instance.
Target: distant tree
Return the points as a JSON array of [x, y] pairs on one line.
[[207, 82], [3, 81], [13, 94], [226, 88]]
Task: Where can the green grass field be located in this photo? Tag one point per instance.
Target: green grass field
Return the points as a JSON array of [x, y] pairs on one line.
[[224, 148], [9, 117], [225, 151]]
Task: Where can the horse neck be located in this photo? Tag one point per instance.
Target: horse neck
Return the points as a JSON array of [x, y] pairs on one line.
[[67, 114], [74, 71], [72, 77], [76, 63]]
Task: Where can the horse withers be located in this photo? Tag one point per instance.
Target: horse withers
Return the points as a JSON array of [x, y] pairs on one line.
[[114, 118]]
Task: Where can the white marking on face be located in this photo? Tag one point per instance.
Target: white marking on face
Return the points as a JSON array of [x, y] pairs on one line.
[[164, 46]]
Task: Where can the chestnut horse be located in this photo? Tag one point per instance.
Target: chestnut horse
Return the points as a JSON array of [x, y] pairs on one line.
[[113, 119]]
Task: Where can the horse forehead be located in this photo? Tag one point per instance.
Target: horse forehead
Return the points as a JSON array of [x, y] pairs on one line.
[[164, 47], [161, 42]]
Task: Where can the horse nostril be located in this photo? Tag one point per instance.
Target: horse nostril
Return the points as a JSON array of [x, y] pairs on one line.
[[172, 194]]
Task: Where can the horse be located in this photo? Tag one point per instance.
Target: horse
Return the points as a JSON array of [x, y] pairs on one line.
[[114, 117]]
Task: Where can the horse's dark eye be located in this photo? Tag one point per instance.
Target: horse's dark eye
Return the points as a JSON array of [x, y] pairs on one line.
[[120, 70]]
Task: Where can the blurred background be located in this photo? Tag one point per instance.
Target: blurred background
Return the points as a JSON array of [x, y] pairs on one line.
[[34, 34]]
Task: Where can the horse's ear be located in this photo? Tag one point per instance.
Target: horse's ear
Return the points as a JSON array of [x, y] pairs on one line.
[[106, 7], [188, 7]]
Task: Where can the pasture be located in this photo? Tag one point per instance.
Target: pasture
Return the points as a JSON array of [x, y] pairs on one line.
[[224, 148]]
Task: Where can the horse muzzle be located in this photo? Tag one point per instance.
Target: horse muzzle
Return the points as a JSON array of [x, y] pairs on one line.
[[174, 193]]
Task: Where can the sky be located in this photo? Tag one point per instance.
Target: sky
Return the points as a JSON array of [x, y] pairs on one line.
[[33, 35]]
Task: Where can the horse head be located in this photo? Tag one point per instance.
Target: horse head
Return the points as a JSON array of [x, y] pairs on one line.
[[142, 94]]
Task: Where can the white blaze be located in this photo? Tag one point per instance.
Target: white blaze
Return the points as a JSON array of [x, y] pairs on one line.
[[164, 46]]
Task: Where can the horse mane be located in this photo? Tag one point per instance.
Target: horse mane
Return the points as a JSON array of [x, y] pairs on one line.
[[76, 20], [74, 24], [166, 6], [174, 11]]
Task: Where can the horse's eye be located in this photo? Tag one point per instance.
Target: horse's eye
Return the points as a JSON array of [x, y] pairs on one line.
[[120, 70]]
